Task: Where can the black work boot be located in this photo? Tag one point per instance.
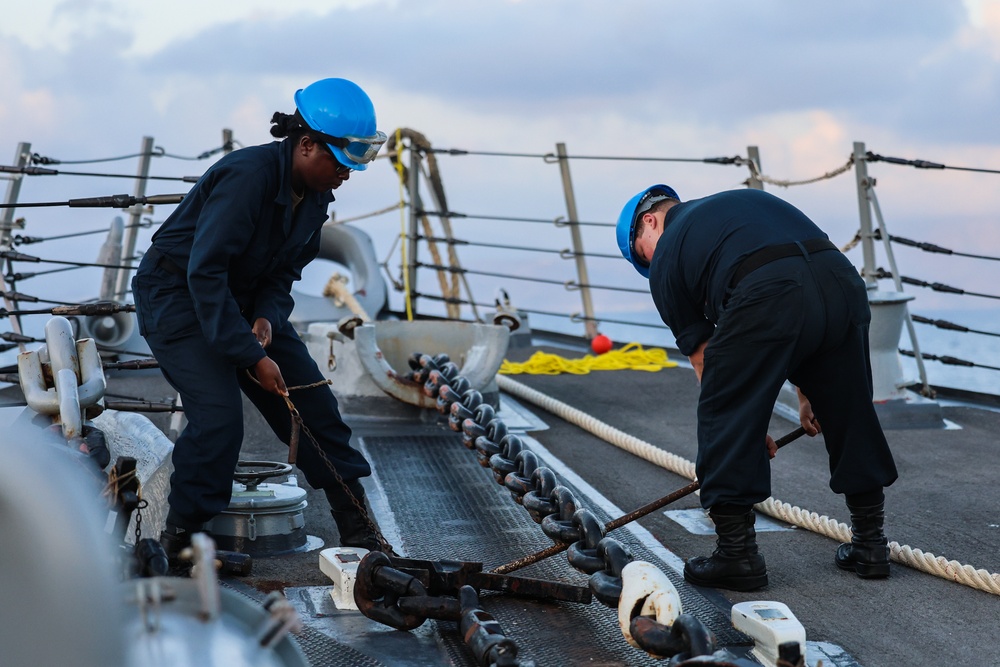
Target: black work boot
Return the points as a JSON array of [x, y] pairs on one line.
[[735, 563], [868, 553], [176, 536], [356, 530]]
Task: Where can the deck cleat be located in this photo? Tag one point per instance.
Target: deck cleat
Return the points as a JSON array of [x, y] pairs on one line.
[[771, 625], [341, 565]]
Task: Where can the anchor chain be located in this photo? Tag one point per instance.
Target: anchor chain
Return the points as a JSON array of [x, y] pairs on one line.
[[572, 528], [298, 425]]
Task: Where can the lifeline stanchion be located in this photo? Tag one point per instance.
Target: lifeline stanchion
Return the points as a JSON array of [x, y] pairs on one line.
[[630, 517]]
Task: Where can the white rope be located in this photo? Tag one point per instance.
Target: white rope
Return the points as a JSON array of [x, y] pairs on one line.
[[938, 566]]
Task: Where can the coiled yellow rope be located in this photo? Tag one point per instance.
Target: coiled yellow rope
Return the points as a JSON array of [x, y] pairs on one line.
[[633, 356]]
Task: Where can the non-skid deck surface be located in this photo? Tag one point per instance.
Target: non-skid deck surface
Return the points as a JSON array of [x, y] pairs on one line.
[[446, 505]]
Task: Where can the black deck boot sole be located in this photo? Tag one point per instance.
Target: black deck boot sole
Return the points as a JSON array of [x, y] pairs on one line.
[[745, 574], [867, 568]]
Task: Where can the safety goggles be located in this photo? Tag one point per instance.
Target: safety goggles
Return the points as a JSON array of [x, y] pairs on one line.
[[645, 204], [359, 149]]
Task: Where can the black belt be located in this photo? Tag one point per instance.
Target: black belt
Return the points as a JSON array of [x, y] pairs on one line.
[[767, 255], [165, 263]]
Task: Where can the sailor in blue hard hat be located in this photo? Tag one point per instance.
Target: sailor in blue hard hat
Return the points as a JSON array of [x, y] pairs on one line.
[[213, 297], [756, 294]]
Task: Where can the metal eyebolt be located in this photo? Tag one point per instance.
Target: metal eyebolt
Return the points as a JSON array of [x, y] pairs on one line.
[[539, 501], [607, 584], [519, 482], [686, 638]]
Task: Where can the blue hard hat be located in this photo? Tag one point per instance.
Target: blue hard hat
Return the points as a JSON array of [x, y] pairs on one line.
[[343, 115], [633, 210]]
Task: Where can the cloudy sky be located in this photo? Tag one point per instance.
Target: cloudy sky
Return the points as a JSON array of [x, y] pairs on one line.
[[918, 79]]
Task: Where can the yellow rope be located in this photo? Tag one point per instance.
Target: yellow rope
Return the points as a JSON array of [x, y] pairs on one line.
[[402, 229], [632, 356]]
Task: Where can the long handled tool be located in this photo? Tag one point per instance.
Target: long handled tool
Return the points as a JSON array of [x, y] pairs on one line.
[[628, 518]]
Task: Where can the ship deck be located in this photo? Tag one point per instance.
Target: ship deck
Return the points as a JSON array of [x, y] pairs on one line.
[[433, 501]]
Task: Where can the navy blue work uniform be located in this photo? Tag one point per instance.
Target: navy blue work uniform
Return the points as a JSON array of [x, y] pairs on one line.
[[790, 313], [229, 255]]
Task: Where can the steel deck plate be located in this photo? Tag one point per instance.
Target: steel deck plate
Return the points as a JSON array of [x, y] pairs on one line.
[[445, 505]]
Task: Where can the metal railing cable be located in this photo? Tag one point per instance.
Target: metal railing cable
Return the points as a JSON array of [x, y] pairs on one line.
[[158, 151], [917, 559], [568, 284], [552, 157], [949, 360], [924, 164], [951, 326], [937, 287], [28, 240], [40, 171], [931, 247], [558, 221], [564, 253], [22, 257], [573, 317]]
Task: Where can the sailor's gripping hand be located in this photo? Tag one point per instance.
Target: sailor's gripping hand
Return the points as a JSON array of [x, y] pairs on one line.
[[806, 416], [262, 331], [269, 376]]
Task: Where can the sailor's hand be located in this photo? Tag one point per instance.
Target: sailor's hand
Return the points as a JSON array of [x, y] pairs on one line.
[[806, 417], [269, 376], [697, 360], [262, 332], [772, 447]]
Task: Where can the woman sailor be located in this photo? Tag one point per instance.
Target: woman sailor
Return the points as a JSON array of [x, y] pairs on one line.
[[212, 296]]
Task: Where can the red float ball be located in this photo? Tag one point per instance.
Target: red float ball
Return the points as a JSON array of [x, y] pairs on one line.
[[600, 344]]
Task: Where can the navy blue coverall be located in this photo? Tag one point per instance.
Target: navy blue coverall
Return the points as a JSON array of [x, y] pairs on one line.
[[803, 318], [226, 256]]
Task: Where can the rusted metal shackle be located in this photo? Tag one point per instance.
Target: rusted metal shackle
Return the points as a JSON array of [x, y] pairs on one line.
[[378, 589]]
